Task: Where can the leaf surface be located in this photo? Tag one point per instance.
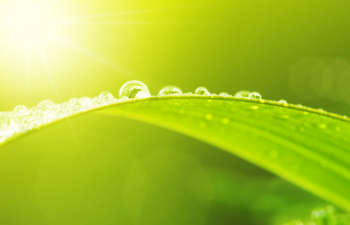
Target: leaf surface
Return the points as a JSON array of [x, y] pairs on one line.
[[307, 147]]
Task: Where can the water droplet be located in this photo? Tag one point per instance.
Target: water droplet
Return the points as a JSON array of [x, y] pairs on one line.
[[202, 91], [225, 94], [134, 89], [170, 90], [209, 116], [21, 109], [104, 98], [283, 102], [85, 103], [255, 95], [242, 94]]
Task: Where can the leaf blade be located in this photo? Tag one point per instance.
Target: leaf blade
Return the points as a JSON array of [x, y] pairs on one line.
[[282, 149], [305, 146]]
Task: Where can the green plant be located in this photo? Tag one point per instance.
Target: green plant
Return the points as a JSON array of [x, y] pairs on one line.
[[305, 146]]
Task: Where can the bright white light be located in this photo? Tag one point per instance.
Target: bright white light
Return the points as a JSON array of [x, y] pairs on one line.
[[30, 26]]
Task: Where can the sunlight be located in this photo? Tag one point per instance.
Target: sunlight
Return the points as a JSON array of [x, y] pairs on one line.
[[37, 35], [30, 26]]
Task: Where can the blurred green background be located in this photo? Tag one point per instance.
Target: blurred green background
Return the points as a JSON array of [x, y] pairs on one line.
[[102, 170]]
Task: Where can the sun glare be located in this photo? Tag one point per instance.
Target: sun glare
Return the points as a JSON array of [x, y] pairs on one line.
[[35, 32], [30, 26]]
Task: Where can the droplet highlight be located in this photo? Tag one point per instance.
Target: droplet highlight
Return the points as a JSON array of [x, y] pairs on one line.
[[170, 90], [225, 94], [134, 89], [255, 95], [202, 91], [242, 94]]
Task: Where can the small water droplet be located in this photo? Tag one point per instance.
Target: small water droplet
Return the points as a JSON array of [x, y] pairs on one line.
[[255, 95], [85, 103], [283, 102], [21, 109], [104, 98], [134, 89], [170, 90], [202, 91], [225, 94], [242, 94]]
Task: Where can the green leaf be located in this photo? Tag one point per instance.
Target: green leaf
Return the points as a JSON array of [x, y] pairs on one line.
[[307, 147]]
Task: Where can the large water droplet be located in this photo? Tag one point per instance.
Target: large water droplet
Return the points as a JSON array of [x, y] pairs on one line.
[[170, 90], [202, 91], [255, 95], [134, 89]]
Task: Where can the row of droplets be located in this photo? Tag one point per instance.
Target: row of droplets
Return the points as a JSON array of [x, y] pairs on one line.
[[22, 119], [137, 89]]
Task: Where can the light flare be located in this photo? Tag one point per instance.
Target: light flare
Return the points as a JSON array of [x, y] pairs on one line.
[[30, 26]]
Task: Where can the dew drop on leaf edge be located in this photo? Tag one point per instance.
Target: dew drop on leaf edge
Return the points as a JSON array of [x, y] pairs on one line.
[[202, 91], [170, 90], [255, 95], [134, 89], [242, 94]]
